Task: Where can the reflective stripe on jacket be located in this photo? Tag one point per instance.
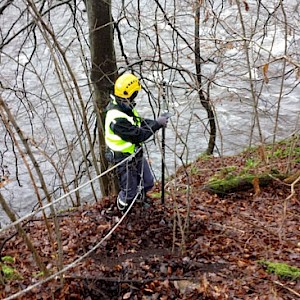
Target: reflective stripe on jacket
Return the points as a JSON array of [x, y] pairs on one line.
[[113, 141]]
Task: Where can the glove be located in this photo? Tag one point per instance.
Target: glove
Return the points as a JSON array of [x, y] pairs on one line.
[[162, 121]]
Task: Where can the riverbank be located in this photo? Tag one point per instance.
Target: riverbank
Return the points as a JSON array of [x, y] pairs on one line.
[[198, 245]]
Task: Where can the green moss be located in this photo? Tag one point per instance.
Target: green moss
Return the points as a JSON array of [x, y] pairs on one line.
[[8, 259], [280, 150], [281, 269], [229, 182], [251, 163], [194, 170], [226, 173], [8, 271], [297, 153], [204, 157], [156, 195], [282, 153], [39, 274]]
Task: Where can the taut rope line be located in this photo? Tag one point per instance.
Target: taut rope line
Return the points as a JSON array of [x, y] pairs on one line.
[[64, 196]]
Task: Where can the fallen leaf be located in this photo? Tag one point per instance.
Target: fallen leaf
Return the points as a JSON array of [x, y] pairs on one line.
[[127, 295]]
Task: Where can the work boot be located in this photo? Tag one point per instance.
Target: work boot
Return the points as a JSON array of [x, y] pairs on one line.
[[123, 205]]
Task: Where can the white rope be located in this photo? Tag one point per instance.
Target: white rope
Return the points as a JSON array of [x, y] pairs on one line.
[[66, 195], [66, 268], [74, 263]]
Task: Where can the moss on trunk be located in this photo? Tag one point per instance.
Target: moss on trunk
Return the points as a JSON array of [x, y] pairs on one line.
[[240, 183]]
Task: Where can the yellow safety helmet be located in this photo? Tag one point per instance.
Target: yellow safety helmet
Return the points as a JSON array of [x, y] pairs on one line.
[[126, 85]]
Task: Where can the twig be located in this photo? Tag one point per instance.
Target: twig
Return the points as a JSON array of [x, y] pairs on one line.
[[134, 281], [259, 226], [293, 188], [285, 205], [226, 227], [74, 263], [287, 288]]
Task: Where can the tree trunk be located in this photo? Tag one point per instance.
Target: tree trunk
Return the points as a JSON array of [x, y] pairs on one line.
[[103, 73], [205, 101]]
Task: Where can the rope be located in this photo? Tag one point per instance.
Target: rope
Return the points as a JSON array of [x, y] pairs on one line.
[[66, 195], [74, 263]]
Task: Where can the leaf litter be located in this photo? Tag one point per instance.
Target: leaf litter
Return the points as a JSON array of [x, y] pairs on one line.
[[150, 257]]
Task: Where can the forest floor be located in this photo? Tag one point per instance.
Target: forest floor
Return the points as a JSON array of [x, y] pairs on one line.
[[150, 256]]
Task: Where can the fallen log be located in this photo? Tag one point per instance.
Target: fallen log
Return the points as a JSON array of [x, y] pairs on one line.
[[241, 183]]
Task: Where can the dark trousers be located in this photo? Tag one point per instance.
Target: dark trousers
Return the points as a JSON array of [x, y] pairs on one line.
[[134, 177]]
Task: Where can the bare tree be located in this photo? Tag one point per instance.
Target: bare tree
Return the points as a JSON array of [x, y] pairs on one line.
[[205, 100], [103, 72], [59, 60]]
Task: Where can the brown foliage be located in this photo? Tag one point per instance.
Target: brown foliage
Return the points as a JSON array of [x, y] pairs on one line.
[[226, 238]]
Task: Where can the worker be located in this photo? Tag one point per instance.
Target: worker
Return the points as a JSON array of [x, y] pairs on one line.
[[125, 132]]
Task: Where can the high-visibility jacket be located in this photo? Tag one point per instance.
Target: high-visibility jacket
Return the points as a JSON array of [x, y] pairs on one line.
[[113, 141]]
